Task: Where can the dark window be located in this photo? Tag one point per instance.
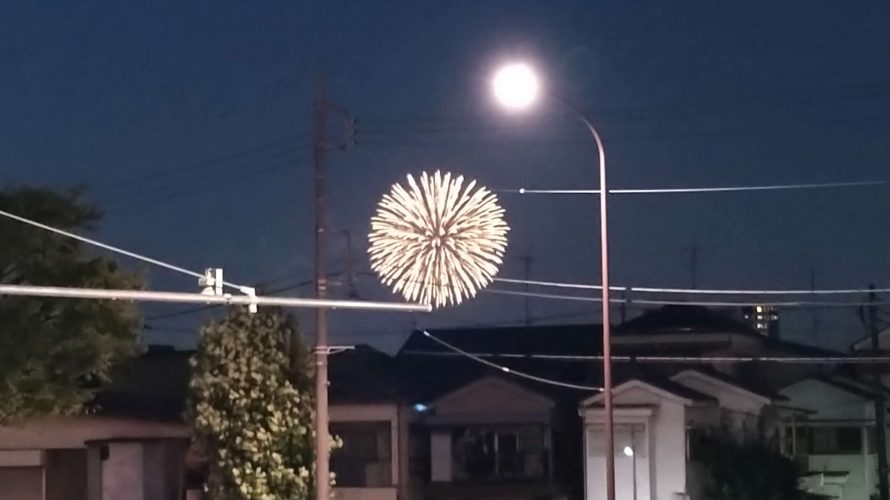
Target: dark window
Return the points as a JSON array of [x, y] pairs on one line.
[[829, 440], [365, 458], [498, 454]]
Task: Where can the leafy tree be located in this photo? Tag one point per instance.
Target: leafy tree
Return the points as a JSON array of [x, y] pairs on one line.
[[749, 471], [55, 353], [251, 408]]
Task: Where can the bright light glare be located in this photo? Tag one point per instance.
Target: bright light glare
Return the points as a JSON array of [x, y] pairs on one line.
[[515, 86], [628, 451]]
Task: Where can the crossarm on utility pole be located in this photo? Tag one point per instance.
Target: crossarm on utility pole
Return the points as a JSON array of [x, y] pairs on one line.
[[198, 298]]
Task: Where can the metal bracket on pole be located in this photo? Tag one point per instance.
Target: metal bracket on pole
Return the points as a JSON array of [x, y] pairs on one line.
[[212, 282], [336, 349], [250, 292]]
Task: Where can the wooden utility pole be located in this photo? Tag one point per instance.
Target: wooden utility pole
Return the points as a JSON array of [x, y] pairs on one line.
[[527, 260], [322, 438], [880, 407]]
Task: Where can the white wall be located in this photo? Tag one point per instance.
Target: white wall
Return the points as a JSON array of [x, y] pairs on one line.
[[122, 472], [383, 412], [74, 431], [365, 493], [827, 401], [664, 475], [440, 456]]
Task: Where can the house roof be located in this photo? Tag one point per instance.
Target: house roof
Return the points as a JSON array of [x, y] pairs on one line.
[[366, 375], [661, 387], [683, 319], [745, 386], [155, 385], [440, 370], [864, 343]]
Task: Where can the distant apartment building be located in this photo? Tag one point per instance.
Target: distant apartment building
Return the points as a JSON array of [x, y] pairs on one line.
[[763, 319]]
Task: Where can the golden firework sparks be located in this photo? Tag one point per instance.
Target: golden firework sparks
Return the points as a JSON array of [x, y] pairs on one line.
[[437, 241]]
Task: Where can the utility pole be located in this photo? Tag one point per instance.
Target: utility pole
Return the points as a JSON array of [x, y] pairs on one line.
[[527, 261], [322, 438], [351, 290], [880, 408]]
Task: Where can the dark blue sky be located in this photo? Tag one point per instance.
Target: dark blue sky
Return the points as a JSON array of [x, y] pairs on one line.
[[188, 123]]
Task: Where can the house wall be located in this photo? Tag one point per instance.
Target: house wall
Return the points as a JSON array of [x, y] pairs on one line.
[[834, 406], [440, 456], [828, 402], [73, 431], [21, 483], [856, 484], [383, 412], [665, 467], [122, 472]]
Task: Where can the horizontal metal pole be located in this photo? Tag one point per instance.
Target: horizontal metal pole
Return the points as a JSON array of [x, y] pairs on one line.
[[198, 298]]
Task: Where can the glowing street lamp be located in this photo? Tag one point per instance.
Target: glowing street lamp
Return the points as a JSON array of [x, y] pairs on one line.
[[516, 86]]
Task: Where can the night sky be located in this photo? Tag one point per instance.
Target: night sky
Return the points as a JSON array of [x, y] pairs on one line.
[[189, 122]]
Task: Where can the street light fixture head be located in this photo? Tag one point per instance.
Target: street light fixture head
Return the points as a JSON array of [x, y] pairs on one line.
[[516, 86]]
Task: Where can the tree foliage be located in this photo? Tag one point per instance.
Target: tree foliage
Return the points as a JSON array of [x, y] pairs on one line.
[[55, 353], [251, 408], [749, 471]]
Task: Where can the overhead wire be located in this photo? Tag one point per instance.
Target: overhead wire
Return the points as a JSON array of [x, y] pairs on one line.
[[508, 370], [721, 189], [695, 291], [112, 248], [860, 360], [653, 302]]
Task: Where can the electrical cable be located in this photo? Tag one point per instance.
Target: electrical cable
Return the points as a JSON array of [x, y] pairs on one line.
[[693, 291], [861, 360], [725, 189], [114, 249], [650, 302], [506, 369]]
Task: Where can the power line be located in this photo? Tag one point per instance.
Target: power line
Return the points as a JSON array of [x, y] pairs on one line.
[[191, 191], [115, 249], [859, 360], [694, 291], [791, 303], [509, 370], [725, 189], [210, 163], [861, 91], [146, 187]]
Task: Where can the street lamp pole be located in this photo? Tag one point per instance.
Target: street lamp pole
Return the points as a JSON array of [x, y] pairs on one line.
[[516, 87], [607, 325]]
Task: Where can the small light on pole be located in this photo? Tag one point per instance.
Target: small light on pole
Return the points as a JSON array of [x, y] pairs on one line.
[[628, 451]]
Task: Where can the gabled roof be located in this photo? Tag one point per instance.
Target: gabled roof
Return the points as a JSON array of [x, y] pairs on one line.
[[663, 388], [837, 383], [366, 375], [440, 370], [492, 381], [727, 382], [864, 343], [552, 339], [683, 319]]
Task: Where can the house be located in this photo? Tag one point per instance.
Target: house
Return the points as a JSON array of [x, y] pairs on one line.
[[136, 446], [658, 428], [487, 434], [834, 441], [482, 414]]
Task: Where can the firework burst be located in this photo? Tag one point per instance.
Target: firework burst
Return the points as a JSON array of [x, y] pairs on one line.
[[437, 241]]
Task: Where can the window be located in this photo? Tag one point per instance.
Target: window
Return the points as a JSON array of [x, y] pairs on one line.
[[829, 440], [365, 458], [495, 454]]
